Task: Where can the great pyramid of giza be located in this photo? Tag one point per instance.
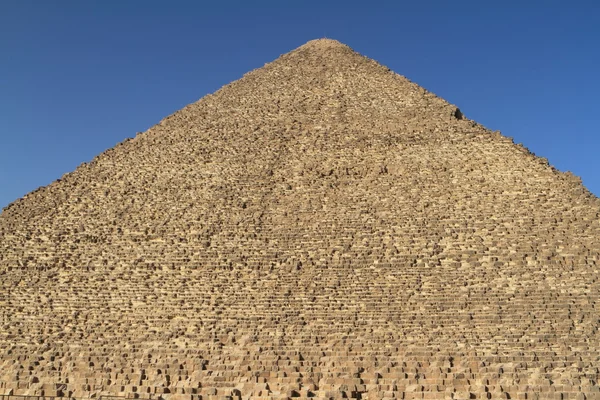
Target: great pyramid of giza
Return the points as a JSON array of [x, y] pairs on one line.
[[321, 228]]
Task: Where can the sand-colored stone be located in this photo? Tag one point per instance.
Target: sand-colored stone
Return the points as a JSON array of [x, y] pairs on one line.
[[320, 228]]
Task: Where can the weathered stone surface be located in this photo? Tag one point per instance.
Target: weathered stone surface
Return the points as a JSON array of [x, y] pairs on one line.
[[320, 228]]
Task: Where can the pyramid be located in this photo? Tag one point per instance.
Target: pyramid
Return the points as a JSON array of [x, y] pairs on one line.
[[322, 227]]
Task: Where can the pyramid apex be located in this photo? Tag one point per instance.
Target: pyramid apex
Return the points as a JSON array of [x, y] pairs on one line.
[[323, 43]]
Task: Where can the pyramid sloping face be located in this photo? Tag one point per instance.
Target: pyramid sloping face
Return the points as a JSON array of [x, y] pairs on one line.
[[322, 227]]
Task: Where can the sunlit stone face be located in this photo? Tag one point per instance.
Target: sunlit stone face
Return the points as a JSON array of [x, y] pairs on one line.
[[322, 228]]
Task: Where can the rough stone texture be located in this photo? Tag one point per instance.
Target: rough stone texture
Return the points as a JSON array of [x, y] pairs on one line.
[[322, 227]]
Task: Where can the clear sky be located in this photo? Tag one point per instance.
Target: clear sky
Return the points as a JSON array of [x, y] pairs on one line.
[[78, 77]]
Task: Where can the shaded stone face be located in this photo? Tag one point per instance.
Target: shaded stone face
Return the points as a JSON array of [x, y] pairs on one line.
[[321, 227]]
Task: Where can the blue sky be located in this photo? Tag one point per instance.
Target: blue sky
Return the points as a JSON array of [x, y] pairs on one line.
[[78, 77]]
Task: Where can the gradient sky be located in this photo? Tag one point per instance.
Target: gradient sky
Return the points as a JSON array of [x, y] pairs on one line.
[[78, 77]]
